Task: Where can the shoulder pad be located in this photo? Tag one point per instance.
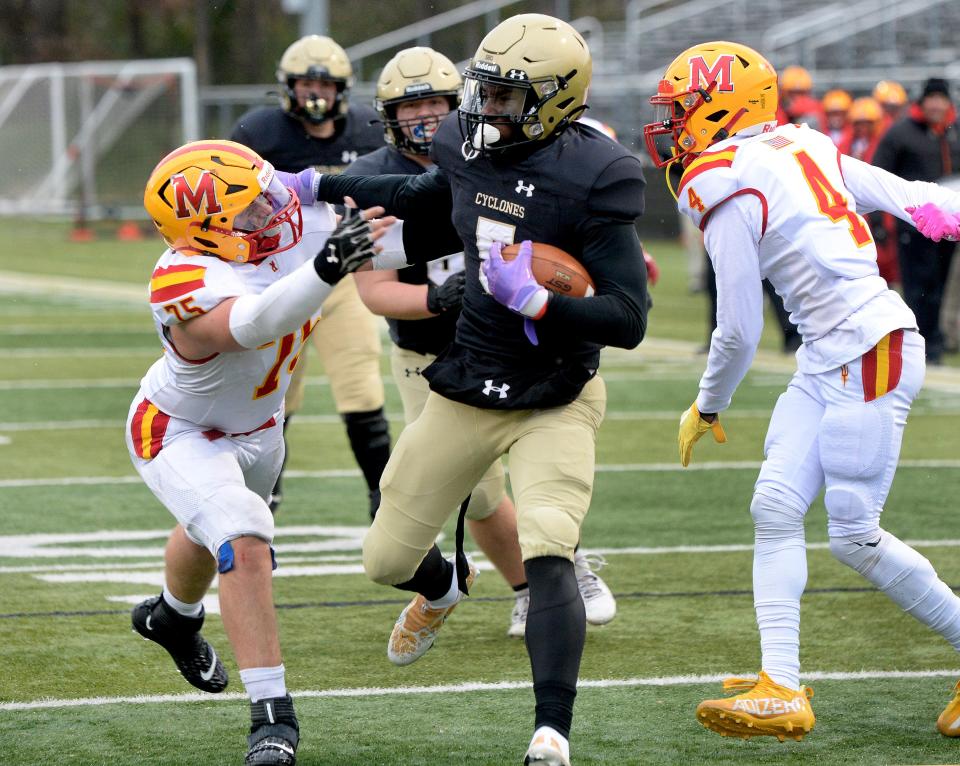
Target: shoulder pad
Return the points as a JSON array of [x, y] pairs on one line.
[[707, 181], [183, 287]]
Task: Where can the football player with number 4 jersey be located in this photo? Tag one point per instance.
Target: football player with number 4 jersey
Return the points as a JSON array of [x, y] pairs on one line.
[[782, 203], [520, 376], [234, 298]]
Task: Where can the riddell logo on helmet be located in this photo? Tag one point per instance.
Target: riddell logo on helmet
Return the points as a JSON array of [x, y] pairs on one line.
[[702, 75], [204, 197]]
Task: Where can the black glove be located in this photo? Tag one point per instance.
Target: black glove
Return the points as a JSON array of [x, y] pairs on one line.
[[346, 249], [447, 296]]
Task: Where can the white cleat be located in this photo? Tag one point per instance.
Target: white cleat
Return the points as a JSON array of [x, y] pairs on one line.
[[518, 617], [600, 605], [548, 748]]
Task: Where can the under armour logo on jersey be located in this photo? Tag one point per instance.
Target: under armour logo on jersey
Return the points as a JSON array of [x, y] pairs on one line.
[[489, 388], [348, 156], [521, 188], [332, 257], [410, 373], [273, 266], [516, 74]]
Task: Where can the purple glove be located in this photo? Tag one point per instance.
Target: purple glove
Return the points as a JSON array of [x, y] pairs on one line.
[[511, 283], [934, 223], [302, 183]]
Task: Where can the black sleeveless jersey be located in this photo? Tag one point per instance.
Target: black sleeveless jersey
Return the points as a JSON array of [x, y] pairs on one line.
[[282, 140], [433, 334], [580, 192]]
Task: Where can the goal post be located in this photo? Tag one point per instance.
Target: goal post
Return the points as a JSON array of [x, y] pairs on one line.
[[80, 139]]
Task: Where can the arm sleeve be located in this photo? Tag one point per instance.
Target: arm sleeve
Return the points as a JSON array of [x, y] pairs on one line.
[[617, 314], [732, 235], [424, 196], [877, 189]]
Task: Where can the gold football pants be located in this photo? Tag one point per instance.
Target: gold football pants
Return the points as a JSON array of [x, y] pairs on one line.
[[441, 456]]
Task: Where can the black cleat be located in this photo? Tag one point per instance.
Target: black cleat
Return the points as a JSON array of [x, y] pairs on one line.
[[274, 733], [180, 636]]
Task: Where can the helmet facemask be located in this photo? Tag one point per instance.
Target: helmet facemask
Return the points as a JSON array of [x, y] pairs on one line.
[[270, 224], [499, 113], [672, 112], [316, 109], [414, 135]]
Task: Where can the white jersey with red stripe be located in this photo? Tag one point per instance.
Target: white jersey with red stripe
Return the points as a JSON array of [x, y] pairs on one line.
[[785, 205], [234, 392]]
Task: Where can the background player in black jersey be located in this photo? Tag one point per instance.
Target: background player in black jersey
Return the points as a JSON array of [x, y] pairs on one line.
[[315, 126], [519, 377], [416, 89]]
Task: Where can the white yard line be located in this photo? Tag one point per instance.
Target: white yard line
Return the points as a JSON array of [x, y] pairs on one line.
[[342, 473], [462, 688]]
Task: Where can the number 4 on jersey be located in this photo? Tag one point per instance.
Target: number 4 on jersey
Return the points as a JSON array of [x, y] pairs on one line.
[[694, 201], [830, 202]]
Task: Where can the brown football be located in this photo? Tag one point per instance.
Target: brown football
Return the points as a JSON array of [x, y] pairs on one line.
[[556, 270]]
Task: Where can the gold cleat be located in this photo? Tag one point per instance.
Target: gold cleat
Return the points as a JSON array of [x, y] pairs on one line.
[[763, 708], [948, 724], [417, 627]]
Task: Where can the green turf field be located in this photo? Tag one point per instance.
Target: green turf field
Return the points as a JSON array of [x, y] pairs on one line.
[[82, 541]]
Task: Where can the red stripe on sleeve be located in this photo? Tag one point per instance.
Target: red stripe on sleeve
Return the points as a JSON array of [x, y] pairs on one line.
[[175, 291], [136, 425], [718, 163]]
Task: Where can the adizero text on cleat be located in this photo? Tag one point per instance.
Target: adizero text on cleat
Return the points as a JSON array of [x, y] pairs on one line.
[[194, 657], [763, 708]]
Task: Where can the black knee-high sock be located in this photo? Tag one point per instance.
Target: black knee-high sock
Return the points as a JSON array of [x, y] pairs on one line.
[[556, 629], [432, 578], [369, 435]]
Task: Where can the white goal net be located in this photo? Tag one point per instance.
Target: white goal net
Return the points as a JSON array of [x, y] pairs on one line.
[[81, 139]]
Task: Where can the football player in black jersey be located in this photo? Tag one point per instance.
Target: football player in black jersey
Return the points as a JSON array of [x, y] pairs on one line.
[[520, 376], [417, 88], [316, 127]]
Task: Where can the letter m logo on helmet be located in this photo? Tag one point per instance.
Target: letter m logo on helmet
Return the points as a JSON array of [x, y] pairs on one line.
[[204, 196], [702, 75]]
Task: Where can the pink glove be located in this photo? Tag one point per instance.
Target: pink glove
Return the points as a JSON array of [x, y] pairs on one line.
[[302, 183], [653, 270], [511, 283], [935, 223]]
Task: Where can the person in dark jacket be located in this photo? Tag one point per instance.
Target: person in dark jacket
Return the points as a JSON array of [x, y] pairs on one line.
[[924, 146]]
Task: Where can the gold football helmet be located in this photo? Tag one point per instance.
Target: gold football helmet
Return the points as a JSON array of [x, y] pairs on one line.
[[865, 109], [710, 92], [411, 75], [527, 81], [315, 57], [836, 101], [890, 92], [221, 198]]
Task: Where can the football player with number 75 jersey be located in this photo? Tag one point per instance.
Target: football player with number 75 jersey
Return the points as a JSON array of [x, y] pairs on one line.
[[782, 203], [233, 299]]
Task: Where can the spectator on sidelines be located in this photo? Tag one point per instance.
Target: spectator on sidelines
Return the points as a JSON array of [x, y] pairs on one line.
[[416, 89], [893, 98], [797, 103], [315, 126], [836, 104], [866, 128], [924, 146]]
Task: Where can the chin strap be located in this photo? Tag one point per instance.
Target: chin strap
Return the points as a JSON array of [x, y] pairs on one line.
[[666, 174]]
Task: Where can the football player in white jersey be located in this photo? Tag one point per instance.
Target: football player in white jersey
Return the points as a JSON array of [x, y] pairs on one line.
[[782, 203], [234, 298]]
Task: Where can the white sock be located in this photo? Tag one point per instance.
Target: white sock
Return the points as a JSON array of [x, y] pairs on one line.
[[264, 683], [550, 735], [779, 577], [181, 607], [451, 597]]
